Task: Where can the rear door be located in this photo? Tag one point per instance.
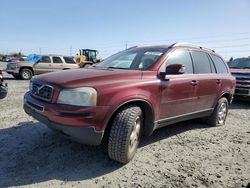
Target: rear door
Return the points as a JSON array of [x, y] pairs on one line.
[[208, 81], [178, 91], [43, 66], [57, 63]]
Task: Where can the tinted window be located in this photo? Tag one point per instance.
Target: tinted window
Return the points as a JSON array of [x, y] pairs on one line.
[[45, 59], [219, 64], [212, 64], [69, 60], [242, 63], [180, 57], [57, 60], [201, 62]]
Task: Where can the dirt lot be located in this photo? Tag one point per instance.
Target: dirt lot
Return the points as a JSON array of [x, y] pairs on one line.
[[188, 154]]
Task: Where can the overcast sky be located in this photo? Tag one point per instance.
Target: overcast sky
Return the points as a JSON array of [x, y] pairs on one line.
[[63, 26]]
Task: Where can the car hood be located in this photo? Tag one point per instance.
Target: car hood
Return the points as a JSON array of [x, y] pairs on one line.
[[240, 71], [88, 77]]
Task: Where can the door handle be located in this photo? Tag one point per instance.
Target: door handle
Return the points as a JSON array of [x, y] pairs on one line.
[[218, 81], [194, 82]]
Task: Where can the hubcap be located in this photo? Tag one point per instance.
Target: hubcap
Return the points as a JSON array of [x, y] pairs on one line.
[[26, 74], [134, 136], [222, 113]]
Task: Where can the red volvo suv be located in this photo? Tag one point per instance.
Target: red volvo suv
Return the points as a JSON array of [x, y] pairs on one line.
[[132, 93]]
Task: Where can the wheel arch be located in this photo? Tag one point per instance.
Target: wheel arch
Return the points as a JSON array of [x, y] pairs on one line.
[[228, 96], [148, 116], [26, 67]]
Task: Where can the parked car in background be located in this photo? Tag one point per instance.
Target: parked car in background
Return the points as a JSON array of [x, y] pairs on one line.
[[45, 64], [240, 68], [3, 87], [132, 93]]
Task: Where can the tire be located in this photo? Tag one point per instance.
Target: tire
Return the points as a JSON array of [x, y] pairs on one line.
[[26, 74], [125, 134], [86, 65], [219, 115]]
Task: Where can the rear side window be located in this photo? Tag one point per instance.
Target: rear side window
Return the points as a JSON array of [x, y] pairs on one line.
[[219, 64], [201, 62], [57, 60], [180, 57], [69, 60], [45, 59]]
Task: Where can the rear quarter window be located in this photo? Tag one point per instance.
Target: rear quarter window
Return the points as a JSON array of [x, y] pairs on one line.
[[219, 64], [69, 60]]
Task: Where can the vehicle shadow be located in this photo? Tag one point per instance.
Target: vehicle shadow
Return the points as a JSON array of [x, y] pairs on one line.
[[31, 153], [9, 78], [174, 129]]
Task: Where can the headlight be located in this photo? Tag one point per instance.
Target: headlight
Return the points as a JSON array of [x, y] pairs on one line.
[[84, 96], [30, 86]]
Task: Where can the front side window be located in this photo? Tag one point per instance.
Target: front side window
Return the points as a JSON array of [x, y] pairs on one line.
[[242, 63], [57, 60], [179, 57], [201, 62], [134, 59], [219, 64], [45, 59]]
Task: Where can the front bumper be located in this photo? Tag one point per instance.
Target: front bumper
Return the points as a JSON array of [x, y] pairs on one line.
[[85, 132], [242, 91], [13, 71]]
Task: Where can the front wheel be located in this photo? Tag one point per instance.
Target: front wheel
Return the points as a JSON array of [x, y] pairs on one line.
[[219, 114], [26, 74], [125, 134]]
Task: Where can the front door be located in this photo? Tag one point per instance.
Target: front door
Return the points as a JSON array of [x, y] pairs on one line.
[[178, 97], [43, 66]]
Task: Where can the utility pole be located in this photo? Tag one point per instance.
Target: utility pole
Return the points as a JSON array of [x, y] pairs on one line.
[[70, 50], [126, 45], [40, 51]]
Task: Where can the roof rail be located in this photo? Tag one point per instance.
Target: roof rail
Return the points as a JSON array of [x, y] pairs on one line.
[[132, 47], [191, 45]]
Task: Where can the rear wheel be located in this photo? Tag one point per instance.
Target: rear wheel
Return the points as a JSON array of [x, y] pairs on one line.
[[219, 114], [125, 134], [26, 74], [86, 65]]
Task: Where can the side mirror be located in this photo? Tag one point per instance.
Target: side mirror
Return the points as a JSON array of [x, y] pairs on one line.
[[175, 69]]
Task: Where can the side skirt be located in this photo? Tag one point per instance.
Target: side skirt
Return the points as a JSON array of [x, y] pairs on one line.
[[164, 122]]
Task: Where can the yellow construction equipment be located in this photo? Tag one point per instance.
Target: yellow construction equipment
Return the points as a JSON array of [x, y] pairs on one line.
[[86, 57]]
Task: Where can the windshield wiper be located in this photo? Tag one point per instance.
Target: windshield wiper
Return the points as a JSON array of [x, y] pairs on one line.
[[116, 68], [234, 67]]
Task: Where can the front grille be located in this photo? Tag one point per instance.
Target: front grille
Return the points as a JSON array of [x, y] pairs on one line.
[[41, 91], [243, 82]]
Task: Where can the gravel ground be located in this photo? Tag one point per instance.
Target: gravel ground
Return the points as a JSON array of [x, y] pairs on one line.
[[188, 154]]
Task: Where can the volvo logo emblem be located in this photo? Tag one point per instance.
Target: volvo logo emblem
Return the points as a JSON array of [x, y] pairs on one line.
[[37, 90]]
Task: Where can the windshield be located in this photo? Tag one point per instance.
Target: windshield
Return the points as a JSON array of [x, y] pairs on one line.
[[243, 63], [134, 59]]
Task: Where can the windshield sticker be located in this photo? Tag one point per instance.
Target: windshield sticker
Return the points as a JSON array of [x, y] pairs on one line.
[[153, 53]]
